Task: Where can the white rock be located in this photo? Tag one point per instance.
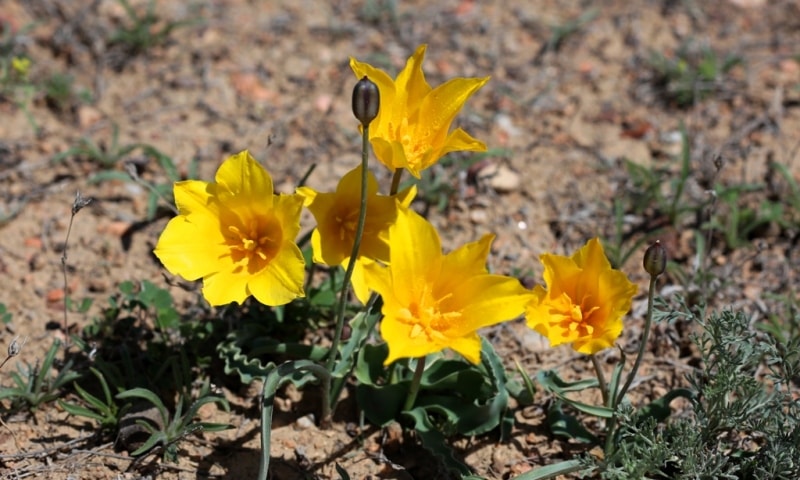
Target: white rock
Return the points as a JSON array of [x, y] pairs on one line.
[[505, 180], [304, 422]]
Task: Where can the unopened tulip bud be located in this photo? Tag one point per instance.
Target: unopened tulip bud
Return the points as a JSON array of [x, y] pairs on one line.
[[366, 101], [655, 259]]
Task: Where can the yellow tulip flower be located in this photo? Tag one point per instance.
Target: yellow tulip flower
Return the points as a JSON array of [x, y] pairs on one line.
[[433, 301], [337, 215], [236, 235], [411, 130], [584, 301]]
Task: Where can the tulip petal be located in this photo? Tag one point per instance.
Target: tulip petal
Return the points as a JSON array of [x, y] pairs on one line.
[[416, 255], [464, 263], [461, 141], [192, 196], [361, 285], [191, 246], [406, 341], [283, 281], [225, 287], [308, 193], [240, 176], [486, 300], [350, 184], [411, 81], [469, 346], [440, 107], [560, 273], [379, 278], [286, 209], [337, 220], [591, 258], [407, 195]]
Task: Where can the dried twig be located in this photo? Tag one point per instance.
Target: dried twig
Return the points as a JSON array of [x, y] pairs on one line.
[[77, 205]]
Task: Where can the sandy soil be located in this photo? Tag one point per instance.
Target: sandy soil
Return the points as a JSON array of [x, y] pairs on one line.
[[573, 94]]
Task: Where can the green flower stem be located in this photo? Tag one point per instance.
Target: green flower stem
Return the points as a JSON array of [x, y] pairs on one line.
[[272, 383], [305, 239], [398, 174], [611, 426], [309, 276], [647, 323], [618, 396], [327, 402], [608, 399], [415, 383], [601, 379], [338, 382]]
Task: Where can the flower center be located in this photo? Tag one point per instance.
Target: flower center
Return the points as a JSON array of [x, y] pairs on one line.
[[348, 222], [257, 242], [578, 318], [414, 141], [427, 319]]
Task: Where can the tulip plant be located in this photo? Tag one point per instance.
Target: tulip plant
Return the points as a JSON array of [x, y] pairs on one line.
[[412, 305]]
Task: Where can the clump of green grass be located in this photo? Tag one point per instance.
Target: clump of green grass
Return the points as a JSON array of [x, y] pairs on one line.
[[172, 428], [692, 74], [37, 384], [140, 33], [60, 93], [5, 315], [108, 157], [656, 195], [142, 351], [103, 410]]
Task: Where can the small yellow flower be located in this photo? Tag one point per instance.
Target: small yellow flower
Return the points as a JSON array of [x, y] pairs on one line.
[[236, 235], [411, 130], [21, 65], [337, 218], [433, 301], [584, 302]]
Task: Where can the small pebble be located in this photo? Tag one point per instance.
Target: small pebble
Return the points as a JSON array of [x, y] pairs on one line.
[[305, 422], [505, 181], [478, 216], [500, 178]]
